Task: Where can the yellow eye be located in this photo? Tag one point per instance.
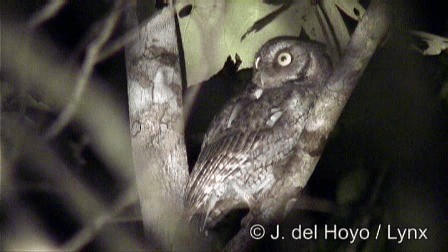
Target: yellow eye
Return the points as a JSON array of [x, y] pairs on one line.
[[284, 59], [256, 62]]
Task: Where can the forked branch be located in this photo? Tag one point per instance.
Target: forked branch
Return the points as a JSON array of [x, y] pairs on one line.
[[368, 36]]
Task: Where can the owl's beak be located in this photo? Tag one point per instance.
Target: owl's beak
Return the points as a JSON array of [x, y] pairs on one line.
[[258, 79]]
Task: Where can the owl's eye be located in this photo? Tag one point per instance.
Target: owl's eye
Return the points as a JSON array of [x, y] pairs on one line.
[[256, 62], [284, 59]]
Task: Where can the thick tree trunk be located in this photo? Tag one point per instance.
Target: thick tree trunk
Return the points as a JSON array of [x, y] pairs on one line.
[[157, 130], [155, 113]]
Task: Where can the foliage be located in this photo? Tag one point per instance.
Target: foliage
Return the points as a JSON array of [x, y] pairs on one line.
[[75, 191], [223, 28]]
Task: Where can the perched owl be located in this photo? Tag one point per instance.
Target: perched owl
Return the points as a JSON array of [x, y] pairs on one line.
[[249, 143]]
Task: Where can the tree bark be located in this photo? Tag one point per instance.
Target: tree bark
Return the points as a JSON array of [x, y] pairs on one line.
[[155, 107], [367, 37], [156, 122]]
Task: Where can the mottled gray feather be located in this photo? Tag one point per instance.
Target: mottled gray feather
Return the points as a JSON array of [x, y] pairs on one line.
[[248, 144]]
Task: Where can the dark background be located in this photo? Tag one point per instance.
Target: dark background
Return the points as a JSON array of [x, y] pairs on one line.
[[385, 163]]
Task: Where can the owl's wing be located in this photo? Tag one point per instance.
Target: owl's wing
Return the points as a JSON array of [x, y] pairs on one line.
[[247, 136], [219, 155], [248, 144], [220, 160]]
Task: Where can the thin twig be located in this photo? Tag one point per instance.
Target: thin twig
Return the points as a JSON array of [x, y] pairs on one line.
[[46, 74], [120, 43], [50, 10], [82, 238], [83, 77], [74, 192]]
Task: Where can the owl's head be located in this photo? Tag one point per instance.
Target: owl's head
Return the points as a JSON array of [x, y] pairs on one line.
[[286, 59]]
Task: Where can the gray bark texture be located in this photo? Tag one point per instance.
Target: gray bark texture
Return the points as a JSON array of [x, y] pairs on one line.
[[368, 36], [156, 123], [159, 154]]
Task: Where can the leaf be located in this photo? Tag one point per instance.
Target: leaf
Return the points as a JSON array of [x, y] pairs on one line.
[[213, 30], [351, 7], [260, 24], [436, 44], [338, 35], [185, 11]]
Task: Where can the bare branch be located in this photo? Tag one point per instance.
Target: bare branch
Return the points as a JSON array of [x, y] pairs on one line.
[[76, 193], [97, 113], [103, 119], [89, 63], [119, 43], [50, 10], [368, 35], [88, 233]]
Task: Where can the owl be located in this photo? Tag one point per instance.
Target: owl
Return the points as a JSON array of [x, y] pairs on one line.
[[249, 143]]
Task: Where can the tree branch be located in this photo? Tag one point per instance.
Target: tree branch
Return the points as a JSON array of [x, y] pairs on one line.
[[50, 10], [322, 118], [155, 113], [90, 231], [93, 51]]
